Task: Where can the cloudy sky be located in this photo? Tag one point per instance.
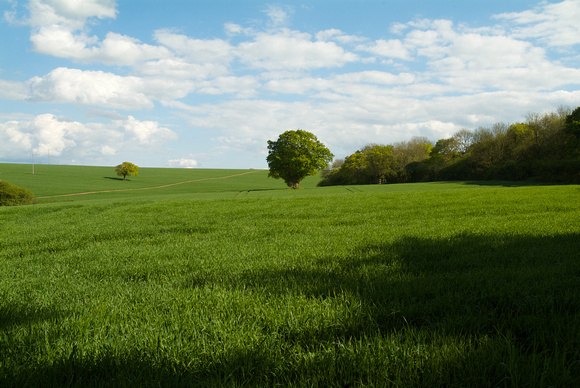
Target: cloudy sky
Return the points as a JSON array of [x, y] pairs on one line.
[[205, 84]]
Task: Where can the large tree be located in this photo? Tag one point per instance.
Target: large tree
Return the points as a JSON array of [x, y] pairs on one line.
[[127, 168], [296, 155]]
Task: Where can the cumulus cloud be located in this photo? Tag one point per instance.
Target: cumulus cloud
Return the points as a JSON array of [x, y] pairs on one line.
[[431, 77], [180, 68], [183, 163], [47, 134], [69, 14], [64, 85], [554, 24], [146, 133], [13, 90], [339, 36], [292, 50], [83, 8], [278, 15], [60, 30], [242, 87], [196, 50], [392, 48], [115, 49]]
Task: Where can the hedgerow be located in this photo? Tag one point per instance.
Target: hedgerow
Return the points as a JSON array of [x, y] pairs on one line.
[[12, 195]]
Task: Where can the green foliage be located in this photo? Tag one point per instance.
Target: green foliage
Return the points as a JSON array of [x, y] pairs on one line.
[[375, 163], [423, 285], [12, 195], [379, 162], [447, 149], [573, 123], [127, 168], [296, 155], [544, 148]]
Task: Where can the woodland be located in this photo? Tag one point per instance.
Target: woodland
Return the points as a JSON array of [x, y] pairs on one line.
[[544, 148]]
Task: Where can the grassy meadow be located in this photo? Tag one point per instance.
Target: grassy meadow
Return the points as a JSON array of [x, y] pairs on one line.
[[238, 281]]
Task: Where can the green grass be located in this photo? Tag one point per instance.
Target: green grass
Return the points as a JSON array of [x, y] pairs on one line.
[[50, 180], [252, 284]]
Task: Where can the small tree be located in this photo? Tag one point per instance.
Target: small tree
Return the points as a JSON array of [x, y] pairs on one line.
[[12, 195], [296, 155], [127, 168]]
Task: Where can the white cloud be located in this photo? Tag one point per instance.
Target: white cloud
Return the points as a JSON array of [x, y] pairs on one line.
[[115, 49], [278, 15], [84, 8], [13, 90], [73, 86], [242, 87], [292, 50], [69, 14], [196, 50], [554, 24], [14, 142], [108, 150], [339, 36], [182, 69], [392, 48], [430, 78], [377, 77], [302, 85], [60, 29], [49, 135], [146, 133], [183, 162]]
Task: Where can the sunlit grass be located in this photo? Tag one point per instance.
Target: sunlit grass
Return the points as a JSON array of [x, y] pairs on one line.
[[406, 285]]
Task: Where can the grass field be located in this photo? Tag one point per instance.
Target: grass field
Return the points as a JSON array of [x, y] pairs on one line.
[[241, 282]]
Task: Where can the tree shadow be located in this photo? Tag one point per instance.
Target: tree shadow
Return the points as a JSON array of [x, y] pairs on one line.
[[467, 282], [509, 183], [509, 298], [16, 314], [115, 178]]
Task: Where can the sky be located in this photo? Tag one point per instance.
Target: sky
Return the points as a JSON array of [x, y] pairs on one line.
[[205, 84]]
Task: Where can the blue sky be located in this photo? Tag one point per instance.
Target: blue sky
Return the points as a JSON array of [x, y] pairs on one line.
[[205, 84]]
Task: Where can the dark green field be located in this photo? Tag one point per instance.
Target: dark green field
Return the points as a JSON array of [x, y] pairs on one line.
[[238, 281]]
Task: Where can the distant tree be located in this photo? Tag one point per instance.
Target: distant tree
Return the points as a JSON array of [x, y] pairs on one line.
[[573, 123], [354, 168], [374, 163], [379, 161], [127, 168], [463, 139], [333, 175], [406, 152], [446, 149], [12, 195], [296, 155]]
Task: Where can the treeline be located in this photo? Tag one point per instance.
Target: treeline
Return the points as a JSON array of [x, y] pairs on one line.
[[543, 148]]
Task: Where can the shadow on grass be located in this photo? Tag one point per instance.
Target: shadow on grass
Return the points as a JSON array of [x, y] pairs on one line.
[[16, 314], [509, 183], [474, 284], [510, 301], [116, 178]]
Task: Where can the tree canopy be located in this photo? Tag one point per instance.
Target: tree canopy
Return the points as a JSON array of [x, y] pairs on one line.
[[127, 168], [12, 195], [296, 155], [546, 147]]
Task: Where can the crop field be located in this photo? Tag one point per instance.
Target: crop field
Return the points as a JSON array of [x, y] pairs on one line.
[[230, 279]]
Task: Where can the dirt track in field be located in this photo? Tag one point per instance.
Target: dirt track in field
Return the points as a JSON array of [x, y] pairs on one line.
[[147, 188]]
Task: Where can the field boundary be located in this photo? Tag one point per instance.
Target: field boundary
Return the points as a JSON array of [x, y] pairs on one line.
[[147, 188]]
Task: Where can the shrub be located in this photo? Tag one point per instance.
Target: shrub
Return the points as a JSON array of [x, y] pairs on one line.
[[12, 195]]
